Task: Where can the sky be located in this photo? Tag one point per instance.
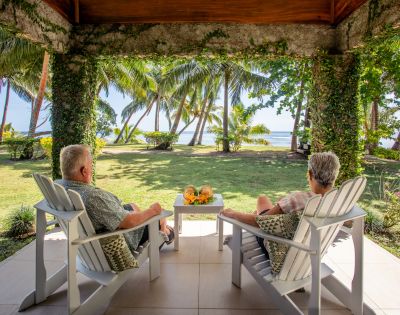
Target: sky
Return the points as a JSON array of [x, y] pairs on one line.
[[19, 114]]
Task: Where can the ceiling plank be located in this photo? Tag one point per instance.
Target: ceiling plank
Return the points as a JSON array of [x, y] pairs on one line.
[[76, 12]]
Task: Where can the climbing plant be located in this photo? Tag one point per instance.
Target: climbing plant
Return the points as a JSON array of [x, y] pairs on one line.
[[73, 110], [336, 112]]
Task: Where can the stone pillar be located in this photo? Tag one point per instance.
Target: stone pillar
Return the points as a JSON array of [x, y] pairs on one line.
[[73, 111], [336, 112]]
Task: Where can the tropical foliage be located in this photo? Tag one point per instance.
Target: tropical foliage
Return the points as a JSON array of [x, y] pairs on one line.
[[240, 129]]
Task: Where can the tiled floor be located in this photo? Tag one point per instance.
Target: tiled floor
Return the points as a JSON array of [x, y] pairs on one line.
[[197, 280]]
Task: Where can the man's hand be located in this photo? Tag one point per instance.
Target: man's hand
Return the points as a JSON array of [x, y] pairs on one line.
[[156, 208], [230, 213]]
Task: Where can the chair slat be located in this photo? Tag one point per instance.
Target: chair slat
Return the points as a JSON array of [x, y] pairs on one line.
[[311, 207], [98, 259]]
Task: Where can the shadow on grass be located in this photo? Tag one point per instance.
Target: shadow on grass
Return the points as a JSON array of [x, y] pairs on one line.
[[231, 176]]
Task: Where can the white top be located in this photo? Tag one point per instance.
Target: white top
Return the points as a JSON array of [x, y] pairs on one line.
[[212, 207]]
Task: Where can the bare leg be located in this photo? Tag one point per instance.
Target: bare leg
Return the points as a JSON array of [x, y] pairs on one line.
[[263, 203]]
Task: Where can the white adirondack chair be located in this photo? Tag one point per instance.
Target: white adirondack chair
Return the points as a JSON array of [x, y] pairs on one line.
[[321, 221], [85, 254]]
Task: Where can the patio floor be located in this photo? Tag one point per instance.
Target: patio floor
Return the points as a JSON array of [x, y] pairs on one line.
[[197, 280]]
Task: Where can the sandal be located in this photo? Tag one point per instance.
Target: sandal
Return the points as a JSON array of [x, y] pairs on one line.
[[171, 235]]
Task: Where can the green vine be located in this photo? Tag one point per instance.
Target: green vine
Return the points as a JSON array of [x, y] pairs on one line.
[[73, 110], [30, 9], [336, 112]]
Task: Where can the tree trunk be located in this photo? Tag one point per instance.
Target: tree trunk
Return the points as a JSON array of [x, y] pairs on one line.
[[40, 95], [396, 145], [157, 115], [187, 125], [124, 127], [3, 122], [225, 141], [203, 124], [138, 122], [307, 117], [178, 115], [201, 117], [374, 123], [293, 146]]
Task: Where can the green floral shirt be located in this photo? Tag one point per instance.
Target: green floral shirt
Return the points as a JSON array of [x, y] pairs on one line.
[[104, 209]]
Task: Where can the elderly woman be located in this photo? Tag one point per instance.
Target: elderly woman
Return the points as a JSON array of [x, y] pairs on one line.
[[323, 169]]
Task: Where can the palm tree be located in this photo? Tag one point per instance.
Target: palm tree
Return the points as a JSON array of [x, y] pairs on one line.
[[40, 95], [237, 78], [3, 121], [210, 117]]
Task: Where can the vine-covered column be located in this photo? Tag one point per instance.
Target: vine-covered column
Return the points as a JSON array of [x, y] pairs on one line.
[[336, 112], [73, 111]]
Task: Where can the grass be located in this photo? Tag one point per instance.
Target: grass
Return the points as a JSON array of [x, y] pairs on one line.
[[145, 176]]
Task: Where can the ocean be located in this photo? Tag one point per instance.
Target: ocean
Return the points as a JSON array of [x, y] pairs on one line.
[[276, 138]]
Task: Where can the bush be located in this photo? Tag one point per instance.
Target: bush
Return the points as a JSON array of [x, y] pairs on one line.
[[373, 225], [21, 222], [391, 215], [22, 148], [47, 144], [100, 144], [386, 153], [158, 138]]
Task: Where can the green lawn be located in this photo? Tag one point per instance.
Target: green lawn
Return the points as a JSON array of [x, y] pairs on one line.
[[136, 174]]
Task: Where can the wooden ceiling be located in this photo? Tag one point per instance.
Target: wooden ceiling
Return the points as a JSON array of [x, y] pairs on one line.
[[205, 11]]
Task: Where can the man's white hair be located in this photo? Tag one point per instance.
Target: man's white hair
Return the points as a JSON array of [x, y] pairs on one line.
[[324, 167], [72, 158]]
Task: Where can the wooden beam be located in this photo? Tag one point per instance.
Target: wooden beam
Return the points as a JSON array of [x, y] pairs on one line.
[[76, 11], [332, 12]]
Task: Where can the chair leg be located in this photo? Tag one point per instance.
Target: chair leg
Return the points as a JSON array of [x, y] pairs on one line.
[[352, 299], [154, 251], [73, 294], [314, 306], [237, 256], [40, 282]]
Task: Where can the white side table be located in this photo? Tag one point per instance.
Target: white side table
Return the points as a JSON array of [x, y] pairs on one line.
[[214, 207]]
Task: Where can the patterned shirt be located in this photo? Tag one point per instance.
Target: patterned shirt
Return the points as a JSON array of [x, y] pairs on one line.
[[295, 201], [104, 209]]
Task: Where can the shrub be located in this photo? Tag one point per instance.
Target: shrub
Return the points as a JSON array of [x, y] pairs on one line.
[[100, 144], [158, 138], [20, 222], [391, 215], [387, 153], [47, 144], [373, 225], [22, 148]]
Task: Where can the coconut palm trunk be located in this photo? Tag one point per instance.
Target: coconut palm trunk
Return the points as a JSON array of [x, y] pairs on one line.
[[178, 115], [198, 126], [125, 126], [3, 122], [157, 115], [187, 125], [396, 145], [374, 122], [225, 142], [40, 95], [138, 122], [293, 146], [203, 123]]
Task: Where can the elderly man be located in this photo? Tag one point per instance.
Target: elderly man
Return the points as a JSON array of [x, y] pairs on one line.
[[105, 210], [323, 169]]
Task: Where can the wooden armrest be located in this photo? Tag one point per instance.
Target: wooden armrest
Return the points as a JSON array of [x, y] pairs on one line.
[[79, 241], [260, 233], [65, 215], [321, 223]]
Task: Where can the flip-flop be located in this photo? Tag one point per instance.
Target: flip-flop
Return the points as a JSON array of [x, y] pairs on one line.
[[171, 235]]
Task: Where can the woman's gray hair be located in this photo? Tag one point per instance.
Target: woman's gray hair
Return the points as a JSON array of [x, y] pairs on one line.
[[72, 158], [324, 167]]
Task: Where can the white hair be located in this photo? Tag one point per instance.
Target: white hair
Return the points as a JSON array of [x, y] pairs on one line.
[[72, 158], [324, 167]]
